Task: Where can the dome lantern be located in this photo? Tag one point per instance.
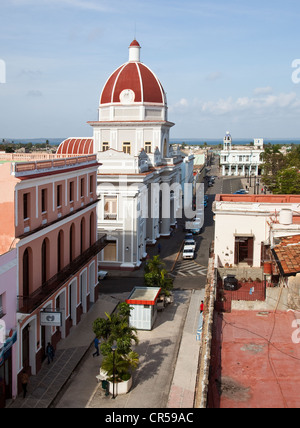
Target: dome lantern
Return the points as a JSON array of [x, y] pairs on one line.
[[134, 51]]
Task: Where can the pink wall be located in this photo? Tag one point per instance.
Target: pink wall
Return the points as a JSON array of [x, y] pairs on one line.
[[8, 290], [7, 226]]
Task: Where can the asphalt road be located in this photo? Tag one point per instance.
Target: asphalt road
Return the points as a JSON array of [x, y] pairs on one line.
[[186, 274]]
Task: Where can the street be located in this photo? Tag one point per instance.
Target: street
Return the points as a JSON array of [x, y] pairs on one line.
[[189, 277]]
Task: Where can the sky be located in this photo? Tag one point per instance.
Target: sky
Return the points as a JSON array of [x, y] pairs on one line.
[[225, 65]]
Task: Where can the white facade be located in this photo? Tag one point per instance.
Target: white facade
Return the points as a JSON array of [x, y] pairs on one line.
[[241, 161], [140, 174], [243, 224]]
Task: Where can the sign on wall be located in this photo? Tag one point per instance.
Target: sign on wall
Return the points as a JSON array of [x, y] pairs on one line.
[[2, 331], [51, 318]]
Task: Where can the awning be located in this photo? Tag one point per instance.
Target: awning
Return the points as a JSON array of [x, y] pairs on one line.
[[7, 345]]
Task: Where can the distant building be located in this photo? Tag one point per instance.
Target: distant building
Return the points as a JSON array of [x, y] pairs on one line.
[[48, 214], [242, 160]]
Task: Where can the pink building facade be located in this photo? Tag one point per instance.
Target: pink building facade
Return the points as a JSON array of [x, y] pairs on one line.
[[53, 204], [8, 320]]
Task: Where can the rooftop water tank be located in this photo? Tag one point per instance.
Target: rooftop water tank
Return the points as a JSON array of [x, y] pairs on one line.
[[286, 217]]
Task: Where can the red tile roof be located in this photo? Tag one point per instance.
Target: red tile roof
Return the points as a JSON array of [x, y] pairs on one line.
[[137, 77], [287, 255], [76, 146], [266, 199]]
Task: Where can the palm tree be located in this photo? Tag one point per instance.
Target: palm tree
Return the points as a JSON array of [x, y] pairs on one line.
[[157, 276], [115, 329]]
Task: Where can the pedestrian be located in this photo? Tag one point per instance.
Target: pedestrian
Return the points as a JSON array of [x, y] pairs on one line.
[[24, 381], [50, 352], [201, 307], [96, 344], [159, 248]]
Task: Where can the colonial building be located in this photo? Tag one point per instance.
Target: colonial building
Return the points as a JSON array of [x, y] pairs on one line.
[[8, 326], [139, 180], [247, 226], [241, 160], [48, 212]]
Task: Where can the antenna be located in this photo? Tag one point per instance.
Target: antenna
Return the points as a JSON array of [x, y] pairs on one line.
[[134, 30]]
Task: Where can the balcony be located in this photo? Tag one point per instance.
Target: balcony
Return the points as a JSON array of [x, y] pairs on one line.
[[27, 304]]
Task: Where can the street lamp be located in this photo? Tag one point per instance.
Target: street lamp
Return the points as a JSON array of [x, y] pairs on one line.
[[114, 348]]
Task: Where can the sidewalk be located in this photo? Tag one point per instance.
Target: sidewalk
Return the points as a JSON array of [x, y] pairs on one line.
[[44, 387], [169, 354], [165, 378]]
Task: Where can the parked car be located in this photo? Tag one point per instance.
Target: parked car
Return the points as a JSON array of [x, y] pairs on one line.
[[210, 184], [188, 236], [190, 243], [188, 252], [241, 192], [196, 226]]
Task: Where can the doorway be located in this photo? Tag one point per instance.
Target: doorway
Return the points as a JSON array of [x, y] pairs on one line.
[[73, 301], [243, 250], [6, 378]]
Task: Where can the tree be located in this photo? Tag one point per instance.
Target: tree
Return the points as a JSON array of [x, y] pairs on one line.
[[157, 276], [273, 162], [288, 181], [115, 329], [281, 173]]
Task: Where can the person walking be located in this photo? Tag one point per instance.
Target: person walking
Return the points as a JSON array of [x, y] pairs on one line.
[[24, 381], [96, 344], [50, 352], [159, 248], [201, 307]]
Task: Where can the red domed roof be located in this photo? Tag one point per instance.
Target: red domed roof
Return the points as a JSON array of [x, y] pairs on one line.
[[76, 146], [135, 43], [138, 78]]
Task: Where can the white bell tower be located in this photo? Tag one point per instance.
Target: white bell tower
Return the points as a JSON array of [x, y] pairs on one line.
[[227, 141]]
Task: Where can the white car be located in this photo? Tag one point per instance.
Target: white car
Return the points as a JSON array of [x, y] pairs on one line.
[[188, 252], [190, 243]]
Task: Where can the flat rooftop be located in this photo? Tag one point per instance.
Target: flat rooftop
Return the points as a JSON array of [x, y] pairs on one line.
[[255, 360], [143, 296], [264, 199]]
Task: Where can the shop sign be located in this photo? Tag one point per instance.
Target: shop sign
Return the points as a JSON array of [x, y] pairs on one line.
[[51, 318]]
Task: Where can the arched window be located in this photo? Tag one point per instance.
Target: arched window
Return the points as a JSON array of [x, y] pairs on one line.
[[72, 242], [165, 148], [82, 235], [26, 272], [92, 229], [60, 250], [45, 263]]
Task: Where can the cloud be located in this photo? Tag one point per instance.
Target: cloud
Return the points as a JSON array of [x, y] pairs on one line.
[[35, 93], [264, 105], [102, 6], [215, 75], [263, 91]]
